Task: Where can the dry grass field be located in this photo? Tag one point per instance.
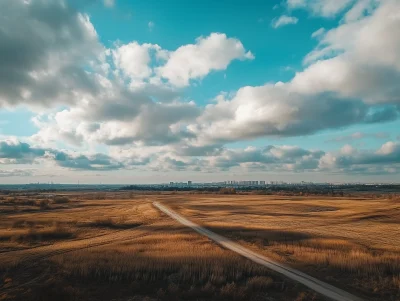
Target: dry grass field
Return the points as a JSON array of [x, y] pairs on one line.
[[117, 246], [351, 243]]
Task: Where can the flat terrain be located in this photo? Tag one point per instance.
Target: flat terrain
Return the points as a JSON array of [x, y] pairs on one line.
[[117, 246], [351, 243]]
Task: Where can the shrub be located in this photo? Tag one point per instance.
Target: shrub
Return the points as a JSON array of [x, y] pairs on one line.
[[60, 199], [44, 204], [18, 224], [104, 222], [227, 190], [26, 203]]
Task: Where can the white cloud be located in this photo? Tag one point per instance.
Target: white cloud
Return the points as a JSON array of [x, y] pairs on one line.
[[131, 118], [365, 61], [128, 100], [285, 158], [139, 106], [325, 8], [109, 3], [13, 151], [45, 48], [318, 33], [359, 84], [360, 9], [194, 61], [134, 59], [283, 21], [276, 110], [151, 25]]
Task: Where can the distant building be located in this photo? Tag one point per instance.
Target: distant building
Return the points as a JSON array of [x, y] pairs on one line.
[[262, 182], [189, 183]]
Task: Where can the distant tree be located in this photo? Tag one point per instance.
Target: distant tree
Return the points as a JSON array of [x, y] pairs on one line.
[[227, 190]]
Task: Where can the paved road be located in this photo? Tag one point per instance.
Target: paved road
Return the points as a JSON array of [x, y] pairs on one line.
[[313, 283]]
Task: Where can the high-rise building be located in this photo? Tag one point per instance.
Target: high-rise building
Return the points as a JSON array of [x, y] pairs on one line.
[[189, 183]]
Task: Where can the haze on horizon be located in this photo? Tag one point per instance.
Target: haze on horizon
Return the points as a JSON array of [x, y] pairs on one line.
[[120, 91]]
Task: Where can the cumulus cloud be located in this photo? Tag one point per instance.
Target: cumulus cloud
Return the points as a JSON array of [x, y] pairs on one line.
[[140, 106], [134, 59], [99, 162], [357, 39], [274, 110], [384, 160], [271, 157], [13, 151], [136, 120], [277, 158], [365, 62], [44, 46], [283, 21], [194, 61], [130, 97], [359, 84]]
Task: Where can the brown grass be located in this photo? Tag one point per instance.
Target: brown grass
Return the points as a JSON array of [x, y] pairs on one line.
[[108, 245], [352, 243], [182, 265], [122, 249], [32, 234]]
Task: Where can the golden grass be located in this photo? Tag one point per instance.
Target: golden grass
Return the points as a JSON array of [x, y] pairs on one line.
[[27, 226], [353, 243], [182, 264], [122, 249], [54, 232]]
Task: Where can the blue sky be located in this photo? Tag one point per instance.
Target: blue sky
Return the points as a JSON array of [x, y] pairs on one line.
[[151, 91]]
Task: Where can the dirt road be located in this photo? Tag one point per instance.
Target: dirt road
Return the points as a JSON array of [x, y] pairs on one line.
[[311, 282]]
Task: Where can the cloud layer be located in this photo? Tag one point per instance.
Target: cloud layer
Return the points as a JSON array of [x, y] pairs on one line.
[[272, 158], [129, 99]]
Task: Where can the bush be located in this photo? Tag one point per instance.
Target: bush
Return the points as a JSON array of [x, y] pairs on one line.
[[18, 224], [60, 199], [227, 190], [55, 232], [26, 203], [44, 204], [103, 222]]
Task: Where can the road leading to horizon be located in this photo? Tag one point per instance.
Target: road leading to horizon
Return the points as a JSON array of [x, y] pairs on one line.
[[321, 287]]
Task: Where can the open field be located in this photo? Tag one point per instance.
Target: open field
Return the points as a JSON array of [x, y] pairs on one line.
[[351, 243], [117, 246]]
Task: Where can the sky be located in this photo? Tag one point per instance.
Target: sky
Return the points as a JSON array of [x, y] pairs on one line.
[[125, 91]]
